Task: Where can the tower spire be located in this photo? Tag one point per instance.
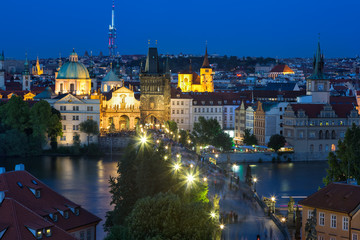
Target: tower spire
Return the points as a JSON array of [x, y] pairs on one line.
[[206, 63], [318, 64]]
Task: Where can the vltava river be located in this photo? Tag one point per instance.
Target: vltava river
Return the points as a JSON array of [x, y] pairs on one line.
[[85, 180]]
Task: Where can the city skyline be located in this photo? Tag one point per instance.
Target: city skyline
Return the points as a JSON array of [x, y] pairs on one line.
[[260, 28]]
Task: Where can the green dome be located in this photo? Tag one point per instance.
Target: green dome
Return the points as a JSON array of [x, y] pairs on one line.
[[73, 70]]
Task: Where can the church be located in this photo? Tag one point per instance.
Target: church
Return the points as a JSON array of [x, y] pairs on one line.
[[190, 81]]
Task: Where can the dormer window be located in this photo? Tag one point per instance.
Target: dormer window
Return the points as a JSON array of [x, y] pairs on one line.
[[77, 211], [66, 214], [55, 217], [202, 102], [19, 184], [38, 234], [48, 232], [34, 182], [37, 193]]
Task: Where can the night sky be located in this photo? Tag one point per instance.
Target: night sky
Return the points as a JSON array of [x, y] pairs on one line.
[[274, 28]]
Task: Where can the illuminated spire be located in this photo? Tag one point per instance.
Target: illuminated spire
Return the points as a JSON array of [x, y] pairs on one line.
[[206, 63], [318, 64], [112, 32]]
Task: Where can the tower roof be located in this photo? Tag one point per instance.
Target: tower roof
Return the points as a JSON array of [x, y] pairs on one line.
[[152, 61], [318, 64], [206, 63]]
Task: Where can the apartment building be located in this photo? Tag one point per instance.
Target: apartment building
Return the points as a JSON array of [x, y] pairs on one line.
[[337, 209]]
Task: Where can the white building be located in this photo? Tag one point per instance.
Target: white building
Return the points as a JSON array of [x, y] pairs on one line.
[[181, 109], [75, 110]]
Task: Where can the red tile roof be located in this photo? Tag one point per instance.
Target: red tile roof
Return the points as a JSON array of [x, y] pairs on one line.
[[17, 219], [313, 110], [336, 197], [49, 202]]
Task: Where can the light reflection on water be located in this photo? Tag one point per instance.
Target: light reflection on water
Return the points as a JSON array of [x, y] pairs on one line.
[[85, 181]]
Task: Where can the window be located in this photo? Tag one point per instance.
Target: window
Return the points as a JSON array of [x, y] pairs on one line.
[[354, 236], [66, 214], [77, 211], [173, 111], [88, 234], [89, 118], [225, 109], [177, 102], [63, 117], [182, 102], [55, 217], [320, 148], [332, 238], [39, 234], [321, 219], [75, 117], [194, 110], [345, 223], [82, 235], [207, 109], [182, 111], [90, 108], [173, 103], [333, 221], [75, 127], [64, 127], [182, 120], [62, 108], [48, 232], [37, 193], [75, 108], [310, 212], [63, 138], [321, 238], [177, 111]]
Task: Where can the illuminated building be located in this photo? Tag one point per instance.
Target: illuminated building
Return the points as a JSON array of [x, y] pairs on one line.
[[119, 110], [155, 90], [189, 81], [110, 81], [37, 70], [281, 69], [73, 77]]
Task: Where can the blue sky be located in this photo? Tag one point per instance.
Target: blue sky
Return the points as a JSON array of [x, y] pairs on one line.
[[274, 28]]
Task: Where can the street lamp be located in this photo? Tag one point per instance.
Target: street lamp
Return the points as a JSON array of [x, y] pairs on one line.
[[165, 157], [255, 180], [216, 155], [273, 201], [143, 139], [213, 215], [191, 165], [222, 226], [205, 179]]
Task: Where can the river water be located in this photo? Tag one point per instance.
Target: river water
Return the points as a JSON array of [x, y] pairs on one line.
[[85, 180]]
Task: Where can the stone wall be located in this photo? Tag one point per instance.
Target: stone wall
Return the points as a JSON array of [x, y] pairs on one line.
[[113, 144]]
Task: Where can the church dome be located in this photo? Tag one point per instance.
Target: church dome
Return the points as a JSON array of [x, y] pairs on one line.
[[73, 69]]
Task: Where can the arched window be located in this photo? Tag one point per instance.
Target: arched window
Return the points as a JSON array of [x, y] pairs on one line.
[[320, 148], [321, 134], [333, 135], [311, 148], [72, 87], [61, 87], [333, 148], [327, 134], [326, 148]]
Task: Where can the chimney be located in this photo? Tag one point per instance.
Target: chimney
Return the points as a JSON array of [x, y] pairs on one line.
[[2, 197], [20, 167], [2, 170]]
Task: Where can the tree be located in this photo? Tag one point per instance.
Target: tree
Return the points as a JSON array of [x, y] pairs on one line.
[[15, 114], [210, 132], [310, 227], [90, 127], [345, 162], [169, 217], [249, 139], [276, 142], [172, 126]]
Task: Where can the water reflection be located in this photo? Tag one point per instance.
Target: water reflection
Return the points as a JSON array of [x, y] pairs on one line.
[[85, 180]]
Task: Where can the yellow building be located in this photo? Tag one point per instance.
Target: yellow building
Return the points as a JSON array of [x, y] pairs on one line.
[[37, 70], [73, 77], [189, 81]]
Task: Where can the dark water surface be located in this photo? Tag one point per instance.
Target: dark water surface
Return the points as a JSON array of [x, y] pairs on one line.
[[85, 180]]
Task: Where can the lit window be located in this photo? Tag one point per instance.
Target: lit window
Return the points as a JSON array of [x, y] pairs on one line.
[[48, 232], [38, 234]]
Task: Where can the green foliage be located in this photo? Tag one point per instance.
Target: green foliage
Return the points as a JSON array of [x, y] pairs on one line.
[[184, 137], [90, 127], [345, 161], [167, 216], [249, 139], [172, 126], [276, 142], [33, 125], [209, 132]]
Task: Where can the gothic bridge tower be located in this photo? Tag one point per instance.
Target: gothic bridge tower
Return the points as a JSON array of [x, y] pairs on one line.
[[155, 90]]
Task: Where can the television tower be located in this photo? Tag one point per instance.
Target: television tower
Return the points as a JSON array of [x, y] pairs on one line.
[[112, 33]]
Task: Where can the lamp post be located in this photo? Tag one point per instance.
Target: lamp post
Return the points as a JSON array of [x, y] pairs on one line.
[[255, 180], [273, 201]]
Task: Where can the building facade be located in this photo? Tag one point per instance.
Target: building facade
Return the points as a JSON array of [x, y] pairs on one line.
[[337, 212], [119, 110], [155, 91], [75, 110], [181, 109]]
